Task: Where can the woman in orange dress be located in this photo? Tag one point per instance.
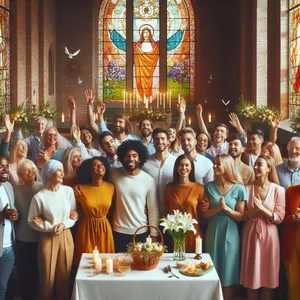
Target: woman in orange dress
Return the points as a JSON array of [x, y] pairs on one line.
[[95, 198], [186, 195]]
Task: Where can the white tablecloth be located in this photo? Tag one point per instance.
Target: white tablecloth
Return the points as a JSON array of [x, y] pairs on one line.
[[145, 285]]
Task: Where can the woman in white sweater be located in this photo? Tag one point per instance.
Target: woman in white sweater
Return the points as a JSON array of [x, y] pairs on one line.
[[52, 213]]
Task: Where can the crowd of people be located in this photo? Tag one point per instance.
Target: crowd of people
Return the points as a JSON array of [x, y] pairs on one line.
[[62, 198]]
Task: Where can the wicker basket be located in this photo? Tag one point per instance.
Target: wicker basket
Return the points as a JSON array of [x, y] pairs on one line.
[[146, 261]]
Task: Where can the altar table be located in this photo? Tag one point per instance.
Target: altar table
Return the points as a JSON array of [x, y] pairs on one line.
[[145, 285]]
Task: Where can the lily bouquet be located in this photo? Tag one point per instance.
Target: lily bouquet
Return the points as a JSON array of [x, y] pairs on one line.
[[178, 226]]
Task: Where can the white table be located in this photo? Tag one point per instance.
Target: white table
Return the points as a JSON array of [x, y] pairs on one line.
[[145, 285]]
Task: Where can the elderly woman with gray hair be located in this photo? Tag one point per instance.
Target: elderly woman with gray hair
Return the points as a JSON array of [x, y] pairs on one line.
[[26, 238], [52, 213]]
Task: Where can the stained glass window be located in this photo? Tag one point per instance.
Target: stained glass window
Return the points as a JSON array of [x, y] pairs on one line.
[[147, 19], [181, 48], [112, 50], [4, 56]]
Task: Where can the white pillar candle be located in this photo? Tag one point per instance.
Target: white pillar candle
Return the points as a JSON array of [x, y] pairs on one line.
[[160, 99], [209, 117], [98, 264], [146, 105], [33, 100], [144, 99], [63, 117], [95, 254], [109, 266], [130, 101], [148, 241], [164, 102], [198, 245], [124, 101], [189, 121]]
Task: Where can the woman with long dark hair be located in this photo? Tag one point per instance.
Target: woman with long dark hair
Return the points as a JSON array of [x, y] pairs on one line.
[[186, 195]]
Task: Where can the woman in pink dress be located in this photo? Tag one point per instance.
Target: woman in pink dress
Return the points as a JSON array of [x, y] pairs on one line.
[[260, 247]]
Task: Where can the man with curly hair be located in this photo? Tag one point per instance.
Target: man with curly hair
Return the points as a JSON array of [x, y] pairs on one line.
[[136, 203]]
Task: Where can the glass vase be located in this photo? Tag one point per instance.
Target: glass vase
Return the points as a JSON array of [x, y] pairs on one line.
[[179, 249]]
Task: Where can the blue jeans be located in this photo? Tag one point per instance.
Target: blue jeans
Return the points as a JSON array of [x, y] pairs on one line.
[[6, 265]]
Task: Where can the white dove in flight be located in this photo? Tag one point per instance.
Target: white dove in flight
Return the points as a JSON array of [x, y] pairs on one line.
[[80, 80], [71, 54]]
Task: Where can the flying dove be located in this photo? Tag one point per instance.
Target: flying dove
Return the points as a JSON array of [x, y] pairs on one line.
[[71, 54]]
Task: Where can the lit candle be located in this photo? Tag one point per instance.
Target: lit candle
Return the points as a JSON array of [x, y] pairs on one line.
[[148, 241], [146, 105], [198, 245], [63, 117], [160, 99], [33, 100], [189, 121], [144, 98], [209, 117], [164, 102], [95, 254], [109, 266], [151, 99], [98, 264], [136, 99], [124, 96], [130, 101], [124, 101], [178, 98]]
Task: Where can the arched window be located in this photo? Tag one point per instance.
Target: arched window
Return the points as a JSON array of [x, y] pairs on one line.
[[4, 55], [146, 47], [294, 57]]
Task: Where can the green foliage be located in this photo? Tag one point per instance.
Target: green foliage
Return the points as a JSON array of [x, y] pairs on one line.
[[295, 122], [137, 116]]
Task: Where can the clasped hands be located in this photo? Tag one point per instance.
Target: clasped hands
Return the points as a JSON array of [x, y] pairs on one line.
[[59, 227]]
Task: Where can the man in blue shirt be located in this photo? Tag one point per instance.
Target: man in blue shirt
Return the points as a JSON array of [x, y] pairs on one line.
[[289, 171]]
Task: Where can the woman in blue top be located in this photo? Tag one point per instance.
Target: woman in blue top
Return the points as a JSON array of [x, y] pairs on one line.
[[227, 196]]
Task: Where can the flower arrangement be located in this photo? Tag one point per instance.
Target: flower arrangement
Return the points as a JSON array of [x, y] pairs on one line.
[[295, 122], [260, 114], [154, 116], [178, 226], [22, 116], [47, 111]]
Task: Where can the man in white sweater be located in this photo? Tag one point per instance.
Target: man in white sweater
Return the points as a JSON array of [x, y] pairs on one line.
[[136, 203]]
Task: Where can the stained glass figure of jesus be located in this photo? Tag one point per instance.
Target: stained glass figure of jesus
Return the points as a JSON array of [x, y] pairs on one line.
[[146, 55]]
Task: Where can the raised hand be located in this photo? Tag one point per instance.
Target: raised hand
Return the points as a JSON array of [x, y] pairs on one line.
[[199, 110], [234, 120], [181, 107], [276, 121], [71, 102], [76, 133], [8, 124], [101, 107], [89, 97]]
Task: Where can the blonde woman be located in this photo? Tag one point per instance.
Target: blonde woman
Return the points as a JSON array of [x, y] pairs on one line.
[[174, 146], [226, 196], [272, 150], [26, 238], [264, 209], [71, 161]]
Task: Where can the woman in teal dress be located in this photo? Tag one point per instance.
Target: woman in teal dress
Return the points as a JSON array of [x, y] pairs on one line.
[[226, 196]]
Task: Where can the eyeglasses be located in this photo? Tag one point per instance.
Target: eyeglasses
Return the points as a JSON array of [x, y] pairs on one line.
[[23, 146]]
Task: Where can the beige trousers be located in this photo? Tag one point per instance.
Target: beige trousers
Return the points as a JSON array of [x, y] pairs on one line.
[[55, 255]]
